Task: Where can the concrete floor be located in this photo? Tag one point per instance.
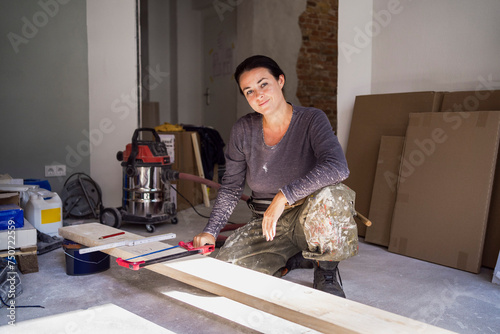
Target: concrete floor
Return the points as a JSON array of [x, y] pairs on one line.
[[441, 296]]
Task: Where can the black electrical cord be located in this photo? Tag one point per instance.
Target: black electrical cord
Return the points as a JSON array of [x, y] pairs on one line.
[[191, 204], [37, 306]]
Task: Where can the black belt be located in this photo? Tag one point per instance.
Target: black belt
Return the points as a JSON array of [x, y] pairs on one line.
[[259, 206]]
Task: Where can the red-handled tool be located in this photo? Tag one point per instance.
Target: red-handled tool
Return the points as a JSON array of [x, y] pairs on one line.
[[191, 250]]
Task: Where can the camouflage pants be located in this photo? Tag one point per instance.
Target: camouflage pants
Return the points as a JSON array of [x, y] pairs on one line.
[[323, 228]]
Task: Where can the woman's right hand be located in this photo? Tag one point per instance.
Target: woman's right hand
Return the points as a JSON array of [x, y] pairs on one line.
[[203, 239]]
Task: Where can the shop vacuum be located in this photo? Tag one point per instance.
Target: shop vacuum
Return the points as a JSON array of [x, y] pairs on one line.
[[146, 185], [147, 176]]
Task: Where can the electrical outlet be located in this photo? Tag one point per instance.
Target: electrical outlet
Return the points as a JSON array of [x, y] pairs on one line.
[[55, 170]]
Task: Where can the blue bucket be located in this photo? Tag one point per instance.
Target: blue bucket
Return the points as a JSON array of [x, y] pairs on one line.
[[83, 264]]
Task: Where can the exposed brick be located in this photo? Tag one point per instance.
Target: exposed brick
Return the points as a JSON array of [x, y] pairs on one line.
[[317, 61]]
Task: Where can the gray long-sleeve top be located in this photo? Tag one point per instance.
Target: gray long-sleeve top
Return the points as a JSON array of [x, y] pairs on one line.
[[308, 157]]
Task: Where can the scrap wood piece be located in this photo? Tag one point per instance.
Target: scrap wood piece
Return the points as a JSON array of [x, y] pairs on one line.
[[26, 258], [297, 303], [29, 250]]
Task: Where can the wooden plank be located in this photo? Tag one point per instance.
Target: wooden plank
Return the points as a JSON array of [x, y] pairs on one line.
[[201, 173], [31, 250], [297, 303], [107, 318]]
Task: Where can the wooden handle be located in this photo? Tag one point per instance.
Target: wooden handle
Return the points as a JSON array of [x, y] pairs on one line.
[[363, 219]]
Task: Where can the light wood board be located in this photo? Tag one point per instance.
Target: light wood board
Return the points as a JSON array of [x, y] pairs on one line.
[[201, 173], [297, 303], [107, 318]]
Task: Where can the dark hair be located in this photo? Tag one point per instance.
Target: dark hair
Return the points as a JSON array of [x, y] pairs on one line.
[[255, 62]]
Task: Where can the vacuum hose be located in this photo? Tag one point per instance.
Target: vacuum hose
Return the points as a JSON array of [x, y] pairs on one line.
[[172, 175]]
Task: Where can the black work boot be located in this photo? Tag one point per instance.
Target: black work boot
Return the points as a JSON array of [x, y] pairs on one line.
[[325, 278], [296, 262]]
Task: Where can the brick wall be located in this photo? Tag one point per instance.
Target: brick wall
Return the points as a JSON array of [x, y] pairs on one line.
[[317, 61]]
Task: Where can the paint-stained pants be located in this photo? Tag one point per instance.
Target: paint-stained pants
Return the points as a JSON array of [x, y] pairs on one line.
[[323, 228]]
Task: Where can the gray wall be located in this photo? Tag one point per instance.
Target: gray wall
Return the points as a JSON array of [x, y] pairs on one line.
[[258, 33], [44, 93], [159, 51]]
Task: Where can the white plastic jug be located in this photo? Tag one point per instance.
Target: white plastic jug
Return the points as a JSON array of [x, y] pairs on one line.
[[44, 212]]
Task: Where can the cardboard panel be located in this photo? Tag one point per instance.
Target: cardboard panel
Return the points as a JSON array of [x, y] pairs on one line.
[[492, 240], [384, 190], [471, 101], [484, 101], [375, 116], [445, 186]]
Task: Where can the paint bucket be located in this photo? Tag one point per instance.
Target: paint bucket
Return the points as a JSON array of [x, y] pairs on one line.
[[83, 264]]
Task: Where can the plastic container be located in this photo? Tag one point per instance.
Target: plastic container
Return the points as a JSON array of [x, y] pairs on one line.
[[11, 217], [44, 212]]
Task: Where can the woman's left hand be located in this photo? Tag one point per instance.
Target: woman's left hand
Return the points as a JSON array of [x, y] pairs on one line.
[[272, 214]]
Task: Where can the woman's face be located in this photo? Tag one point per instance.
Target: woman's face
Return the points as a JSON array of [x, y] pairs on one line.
[[262, 90]]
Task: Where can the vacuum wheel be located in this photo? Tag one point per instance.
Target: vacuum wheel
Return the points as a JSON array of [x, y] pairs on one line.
[[150, 228], [111, 217]]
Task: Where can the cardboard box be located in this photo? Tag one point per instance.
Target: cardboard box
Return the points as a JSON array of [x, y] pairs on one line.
[[9, 198], [482, 100], [384, 190], [11, 216], [445, 186], [375, 116], [23, 190]]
